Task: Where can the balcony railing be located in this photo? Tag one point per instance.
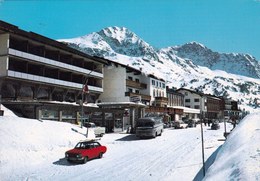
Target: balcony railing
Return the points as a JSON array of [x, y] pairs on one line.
[[161, 99], [143, 97], [134, 84]]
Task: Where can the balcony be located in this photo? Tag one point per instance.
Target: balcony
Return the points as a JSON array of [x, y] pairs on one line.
[[143, 97], [161, 101], [134, 84]]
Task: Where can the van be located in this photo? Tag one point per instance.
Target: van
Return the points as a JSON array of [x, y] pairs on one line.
[[149, 127]]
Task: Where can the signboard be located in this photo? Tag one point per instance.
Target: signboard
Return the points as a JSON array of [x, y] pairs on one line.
[[135, 99]]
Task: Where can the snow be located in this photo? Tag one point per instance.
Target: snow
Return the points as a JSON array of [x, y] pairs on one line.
[[34, 150], [239, 157]]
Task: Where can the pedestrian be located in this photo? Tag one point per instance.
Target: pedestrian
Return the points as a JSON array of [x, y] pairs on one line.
[[205, 122], [209, 122]]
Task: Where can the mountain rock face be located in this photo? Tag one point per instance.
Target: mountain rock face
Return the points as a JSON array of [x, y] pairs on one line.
[[193, 66], [241, 64]]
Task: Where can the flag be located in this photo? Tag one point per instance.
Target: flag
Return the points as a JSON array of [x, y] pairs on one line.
[[85, 89]]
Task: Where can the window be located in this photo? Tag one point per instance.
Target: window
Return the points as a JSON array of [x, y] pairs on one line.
[[187, 100], [137, 91], [130, 90], [153, 82], [137, 80], [197, 107], [163, 85], [130, 78], [196, 100]]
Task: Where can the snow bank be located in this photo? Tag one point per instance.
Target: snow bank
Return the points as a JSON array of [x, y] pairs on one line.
[[25, 143], [239, 157], [7, 112]]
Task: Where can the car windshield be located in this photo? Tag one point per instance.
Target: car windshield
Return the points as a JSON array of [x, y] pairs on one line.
[[83, 145], [145, 124]]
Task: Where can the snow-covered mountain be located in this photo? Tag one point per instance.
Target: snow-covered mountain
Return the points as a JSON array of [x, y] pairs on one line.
[[192, 65], [242, 64]]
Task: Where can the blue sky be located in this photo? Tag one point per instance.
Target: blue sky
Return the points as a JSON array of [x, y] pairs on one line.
[[221, 25]]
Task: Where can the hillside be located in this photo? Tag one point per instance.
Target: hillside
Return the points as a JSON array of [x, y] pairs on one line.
[[192, 65]]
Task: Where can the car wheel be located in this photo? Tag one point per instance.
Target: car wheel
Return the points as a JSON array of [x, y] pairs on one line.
[[160, 133], [100, 155], [155, 134], [85, 159]]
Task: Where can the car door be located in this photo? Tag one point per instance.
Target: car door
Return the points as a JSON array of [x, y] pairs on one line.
[[91, 151], [96, 149]]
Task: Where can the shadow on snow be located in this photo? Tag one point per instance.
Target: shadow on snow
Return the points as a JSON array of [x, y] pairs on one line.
[[208, 163], [132, 137]]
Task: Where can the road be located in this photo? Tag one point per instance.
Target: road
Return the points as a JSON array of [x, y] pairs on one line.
[[174, 155]]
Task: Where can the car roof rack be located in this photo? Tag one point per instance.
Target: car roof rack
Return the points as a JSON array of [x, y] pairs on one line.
[[89, 140]]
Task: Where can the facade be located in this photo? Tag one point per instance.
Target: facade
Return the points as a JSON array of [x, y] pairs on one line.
[[209, 106], [231, 110], [213, 105], [176, 102], [131, 90], [42, 78], [126, 84]]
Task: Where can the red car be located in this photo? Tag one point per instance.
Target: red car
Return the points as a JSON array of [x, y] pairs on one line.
[[85, 150]]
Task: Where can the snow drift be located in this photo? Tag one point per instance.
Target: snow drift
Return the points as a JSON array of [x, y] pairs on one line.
[[239, 158]]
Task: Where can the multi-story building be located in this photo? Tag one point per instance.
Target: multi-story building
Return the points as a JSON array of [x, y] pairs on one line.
[[230, 109], [213, 107], [209, 106], [42, 78], [128, 88], [176, 106]]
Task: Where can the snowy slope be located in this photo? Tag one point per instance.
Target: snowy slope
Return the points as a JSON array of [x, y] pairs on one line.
[[185, 66]]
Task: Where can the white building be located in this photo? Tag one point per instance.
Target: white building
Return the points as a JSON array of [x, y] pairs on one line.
[[126, 84], [210, 106]]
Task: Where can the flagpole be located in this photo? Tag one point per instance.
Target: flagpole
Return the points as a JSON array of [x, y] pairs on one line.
[[82, 99]]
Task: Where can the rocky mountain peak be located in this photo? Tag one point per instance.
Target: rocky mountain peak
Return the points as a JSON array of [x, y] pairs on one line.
[[124, 41]]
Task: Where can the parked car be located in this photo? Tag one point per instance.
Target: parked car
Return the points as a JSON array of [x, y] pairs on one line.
[[215, 125], [197, 120], [192, 123], [98, 130], [85, 150], [179, 124]]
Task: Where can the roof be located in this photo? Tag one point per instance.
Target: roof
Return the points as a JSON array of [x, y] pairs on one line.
[[121, 104], [200, 93], [192, 91]]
